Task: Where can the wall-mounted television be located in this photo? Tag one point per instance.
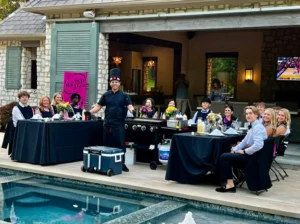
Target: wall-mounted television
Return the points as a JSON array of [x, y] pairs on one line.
[[288, 68]]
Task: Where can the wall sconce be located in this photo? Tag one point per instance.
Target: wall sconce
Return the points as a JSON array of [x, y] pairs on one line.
[[117, 60], [151, 63], [249, 74]]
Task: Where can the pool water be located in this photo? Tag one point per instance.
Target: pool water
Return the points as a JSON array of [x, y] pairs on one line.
[[34, 200], [29, 199]]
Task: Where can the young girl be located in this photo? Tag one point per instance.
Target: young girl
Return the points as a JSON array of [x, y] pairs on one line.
[[269, 121], [284, 122], [151, 112], [171, 104], [56, 99], [228, 118], [45, 108]]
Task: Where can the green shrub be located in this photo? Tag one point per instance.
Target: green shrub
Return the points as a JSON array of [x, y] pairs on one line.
[[6, 114]]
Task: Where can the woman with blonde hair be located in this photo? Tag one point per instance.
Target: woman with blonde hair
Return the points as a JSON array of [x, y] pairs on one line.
[[283, 122], [269, 121], [45, 108], [56, 99]]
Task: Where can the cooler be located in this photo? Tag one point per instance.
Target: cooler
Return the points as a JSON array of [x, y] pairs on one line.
[[102, 159]]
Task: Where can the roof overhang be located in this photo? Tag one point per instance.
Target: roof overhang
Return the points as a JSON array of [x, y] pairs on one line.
[[20, 37], [133, 5]]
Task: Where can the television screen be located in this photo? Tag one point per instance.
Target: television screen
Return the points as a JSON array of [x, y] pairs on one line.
[[288, 68]]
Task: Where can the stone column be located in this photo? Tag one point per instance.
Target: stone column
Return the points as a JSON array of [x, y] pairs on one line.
[[102, 67], [26, 68]]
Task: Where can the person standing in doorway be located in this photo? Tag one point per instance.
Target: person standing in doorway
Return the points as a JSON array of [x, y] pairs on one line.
[[181, 86], [117, 104]]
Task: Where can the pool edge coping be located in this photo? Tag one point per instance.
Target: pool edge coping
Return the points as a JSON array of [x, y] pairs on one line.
[[221, 202]]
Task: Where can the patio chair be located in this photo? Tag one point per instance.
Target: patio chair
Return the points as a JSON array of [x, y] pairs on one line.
[[277, 141], [9, 136], [218, 107], [281, 146], [256, 171]]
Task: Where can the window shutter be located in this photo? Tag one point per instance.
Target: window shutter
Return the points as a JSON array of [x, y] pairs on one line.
[[74, 47], [13, 68]]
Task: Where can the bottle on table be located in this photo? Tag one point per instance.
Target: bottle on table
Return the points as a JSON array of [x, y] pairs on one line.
[[200, 126]]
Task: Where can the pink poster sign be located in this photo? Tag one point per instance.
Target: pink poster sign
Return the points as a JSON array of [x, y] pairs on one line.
[[75, 82]]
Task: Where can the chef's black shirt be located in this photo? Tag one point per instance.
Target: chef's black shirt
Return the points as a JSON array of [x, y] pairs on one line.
[[116, 107]]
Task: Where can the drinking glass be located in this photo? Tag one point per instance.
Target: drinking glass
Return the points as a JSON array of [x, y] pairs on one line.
[[238, 125], [207, 128], [224, 127]]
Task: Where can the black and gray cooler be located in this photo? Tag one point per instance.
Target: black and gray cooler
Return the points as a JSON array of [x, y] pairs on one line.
[[102, 159]]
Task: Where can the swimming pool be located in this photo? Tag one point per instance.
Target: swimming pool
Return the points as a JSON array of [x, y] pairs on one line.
[[28, 198]]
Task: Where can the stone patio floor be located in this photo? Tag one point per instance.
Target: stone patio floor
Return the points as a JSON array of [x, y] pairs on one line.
[[282, 199]]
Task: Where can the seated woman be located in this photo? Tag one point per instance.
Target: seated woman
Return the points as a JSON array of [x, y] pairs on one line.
[[75, 98], [150, 111], [228, 118], [269, 121], [217, 91], [22, 111], [56, 99], [206, 102], [170, 104], [45, 109], [240, 154], [283, 122]]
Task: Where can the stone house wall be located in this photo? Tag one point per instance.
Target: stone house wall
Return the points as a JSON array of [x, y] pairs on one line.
[[278, 43], [43, 72]]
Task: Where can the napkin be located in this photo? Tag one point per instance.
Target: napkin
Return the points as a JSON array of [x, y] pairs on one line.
[[55, 117], [216, 132], [231, 131], [37, 117]]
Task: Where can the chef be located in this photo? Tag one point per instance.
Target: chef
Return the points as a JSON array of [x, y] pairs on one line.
[[117, 104]]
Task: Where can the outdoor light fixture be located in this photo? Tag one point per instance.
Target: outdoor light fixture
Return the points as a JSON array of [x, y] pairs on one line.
[[89, 14], [151, 63], [117, 60], [249, 74]]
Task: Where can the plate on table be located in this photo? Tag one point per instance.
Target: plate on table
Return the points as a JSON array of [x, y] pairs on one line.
[[201, 133], [243, 128]]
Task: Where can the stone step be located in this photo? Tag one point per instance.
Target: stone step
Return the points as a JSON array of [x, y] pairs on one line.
[[149, 213]]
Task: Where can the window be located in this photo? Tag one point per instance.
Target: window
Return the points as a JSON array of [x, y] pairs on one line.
[[149, 74], [13, 68], [33, 69], [222, 66]]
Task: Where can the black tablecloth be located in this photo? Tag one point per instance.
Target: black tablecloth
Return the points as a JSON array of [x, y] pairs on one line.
[[169, 132], [191, 157], [46, 143]]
